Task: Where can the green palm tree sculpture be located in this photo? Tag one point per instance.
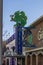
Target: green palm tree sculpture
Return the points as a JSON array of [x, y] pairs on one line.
[[19, 17]]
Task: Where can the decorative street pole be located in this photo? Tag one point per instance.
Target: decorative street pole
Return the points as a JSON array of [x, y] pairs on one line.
[[20, 18]]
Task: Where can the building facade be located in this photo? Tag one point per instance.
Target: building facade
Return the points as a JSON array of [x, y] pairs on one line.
[[34, 56]]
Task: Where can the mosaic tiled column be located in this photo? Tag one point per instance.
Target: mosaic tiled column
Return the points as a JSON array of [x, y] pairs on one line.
[[18, 40]]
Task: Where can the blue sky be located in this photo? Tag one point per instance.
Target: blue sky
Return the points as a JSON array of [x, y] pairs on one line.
[[32, 8]]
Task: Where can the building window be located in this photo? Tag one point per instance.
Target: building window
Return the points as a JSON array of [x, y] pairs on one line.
[[40, 34]]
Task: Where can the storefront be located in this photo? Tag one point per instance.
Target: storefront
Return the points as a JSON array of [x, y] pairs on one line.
[[34, 57], [14, 60]]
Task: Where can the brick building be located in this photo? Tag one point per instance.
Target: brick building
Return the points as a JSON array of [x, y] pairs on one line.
[[34, 56]]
